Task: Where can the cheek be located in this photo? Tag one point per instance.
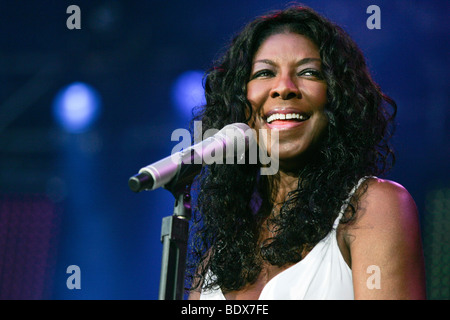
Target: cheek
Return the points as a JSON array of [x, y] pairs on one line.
[[317, 94], [321, 126], [256, 95], [319, 102], [251, 91]]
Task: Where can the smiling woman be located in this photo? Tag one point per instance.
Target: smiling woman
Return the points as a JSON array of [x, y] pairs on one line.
[[312, 230]]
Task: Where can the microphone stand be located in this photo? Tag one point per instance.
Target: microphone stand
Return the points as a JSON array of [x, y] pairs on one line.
[[174, 228], [175, 234], [174, 237]]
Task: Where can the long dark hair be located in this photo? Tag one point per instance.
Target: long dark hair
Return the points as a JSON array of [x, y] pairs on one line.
[[233, 200]]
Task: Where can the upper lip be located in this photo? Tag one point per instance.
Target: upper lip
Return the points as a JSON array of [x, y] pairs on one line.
[[285, 110]]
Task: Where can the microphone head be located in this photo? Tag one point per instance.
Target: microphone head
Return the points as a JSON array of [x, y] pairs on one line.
[[240, 136], [237, 126], [238, 130]]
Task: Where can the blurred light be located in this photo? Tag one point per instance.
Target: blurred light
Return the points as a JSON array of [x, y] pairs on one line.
[[188, 92], [76, 107]]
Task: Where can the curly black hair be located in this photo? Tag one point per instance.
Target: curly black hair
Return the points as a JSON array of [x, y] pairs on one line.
[[233, 201]]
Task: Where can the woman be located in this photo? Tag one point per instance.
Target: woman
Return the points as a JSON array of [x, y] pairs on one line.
[[324, 226]]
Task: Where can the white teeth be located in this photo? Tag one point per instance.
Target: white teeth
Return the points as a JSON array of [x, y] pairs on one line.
[[281, 116]]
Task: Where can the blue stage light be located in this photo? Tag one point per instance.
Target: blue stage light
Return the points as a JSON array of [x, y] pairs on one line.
[[76, 107], [188, 92]]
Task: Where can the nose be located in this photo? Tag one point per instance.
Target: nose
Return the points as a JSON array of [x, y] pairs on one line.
[[285, 88]]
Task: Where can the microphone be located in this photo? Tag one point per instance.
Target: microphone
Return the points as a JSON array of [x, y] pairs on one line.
[[231, 142]]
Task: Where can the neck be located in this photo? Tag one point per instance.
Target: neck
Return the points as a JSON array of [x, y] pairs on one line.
[[282, 183]]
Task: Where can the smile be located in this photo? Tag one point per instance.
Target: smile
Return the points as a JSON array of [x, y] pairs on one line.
[[287, 117]]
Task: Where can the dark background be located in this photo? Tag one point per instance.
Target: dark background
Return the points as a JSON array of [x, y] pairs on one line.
[[64, 197]]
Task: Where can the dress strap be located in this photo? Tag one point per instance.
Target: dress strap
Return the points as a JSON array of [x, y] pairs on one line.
[[346, 202]]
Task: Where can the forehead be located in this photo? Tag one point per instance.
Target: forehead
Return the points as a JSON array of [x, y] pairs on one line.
[[287, 46]]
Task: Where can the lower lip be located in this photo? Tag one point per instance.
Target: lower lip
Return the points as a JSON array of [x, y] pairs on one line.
[[284, 124]]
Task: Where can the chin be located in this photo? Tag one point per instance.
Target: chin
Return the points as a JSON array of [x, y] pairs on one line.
[[291, 151]]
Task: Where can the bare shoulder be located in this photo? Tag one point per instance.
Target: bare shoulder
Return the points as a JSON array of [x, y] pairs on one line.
[[385, 187], [386, 213], [385, 202], [386, 233]]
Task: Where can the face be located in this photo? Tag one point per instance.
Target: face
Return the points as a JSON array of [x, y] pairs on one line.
[[288, 95]]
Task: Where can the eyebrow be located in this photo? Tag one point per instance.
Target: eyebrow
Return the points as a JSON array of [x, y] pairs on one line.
[[301, 62]]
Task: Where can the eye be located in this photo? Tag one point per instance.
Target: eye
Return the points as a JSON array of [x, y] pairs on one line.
[[262, 74], [311, 73]]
